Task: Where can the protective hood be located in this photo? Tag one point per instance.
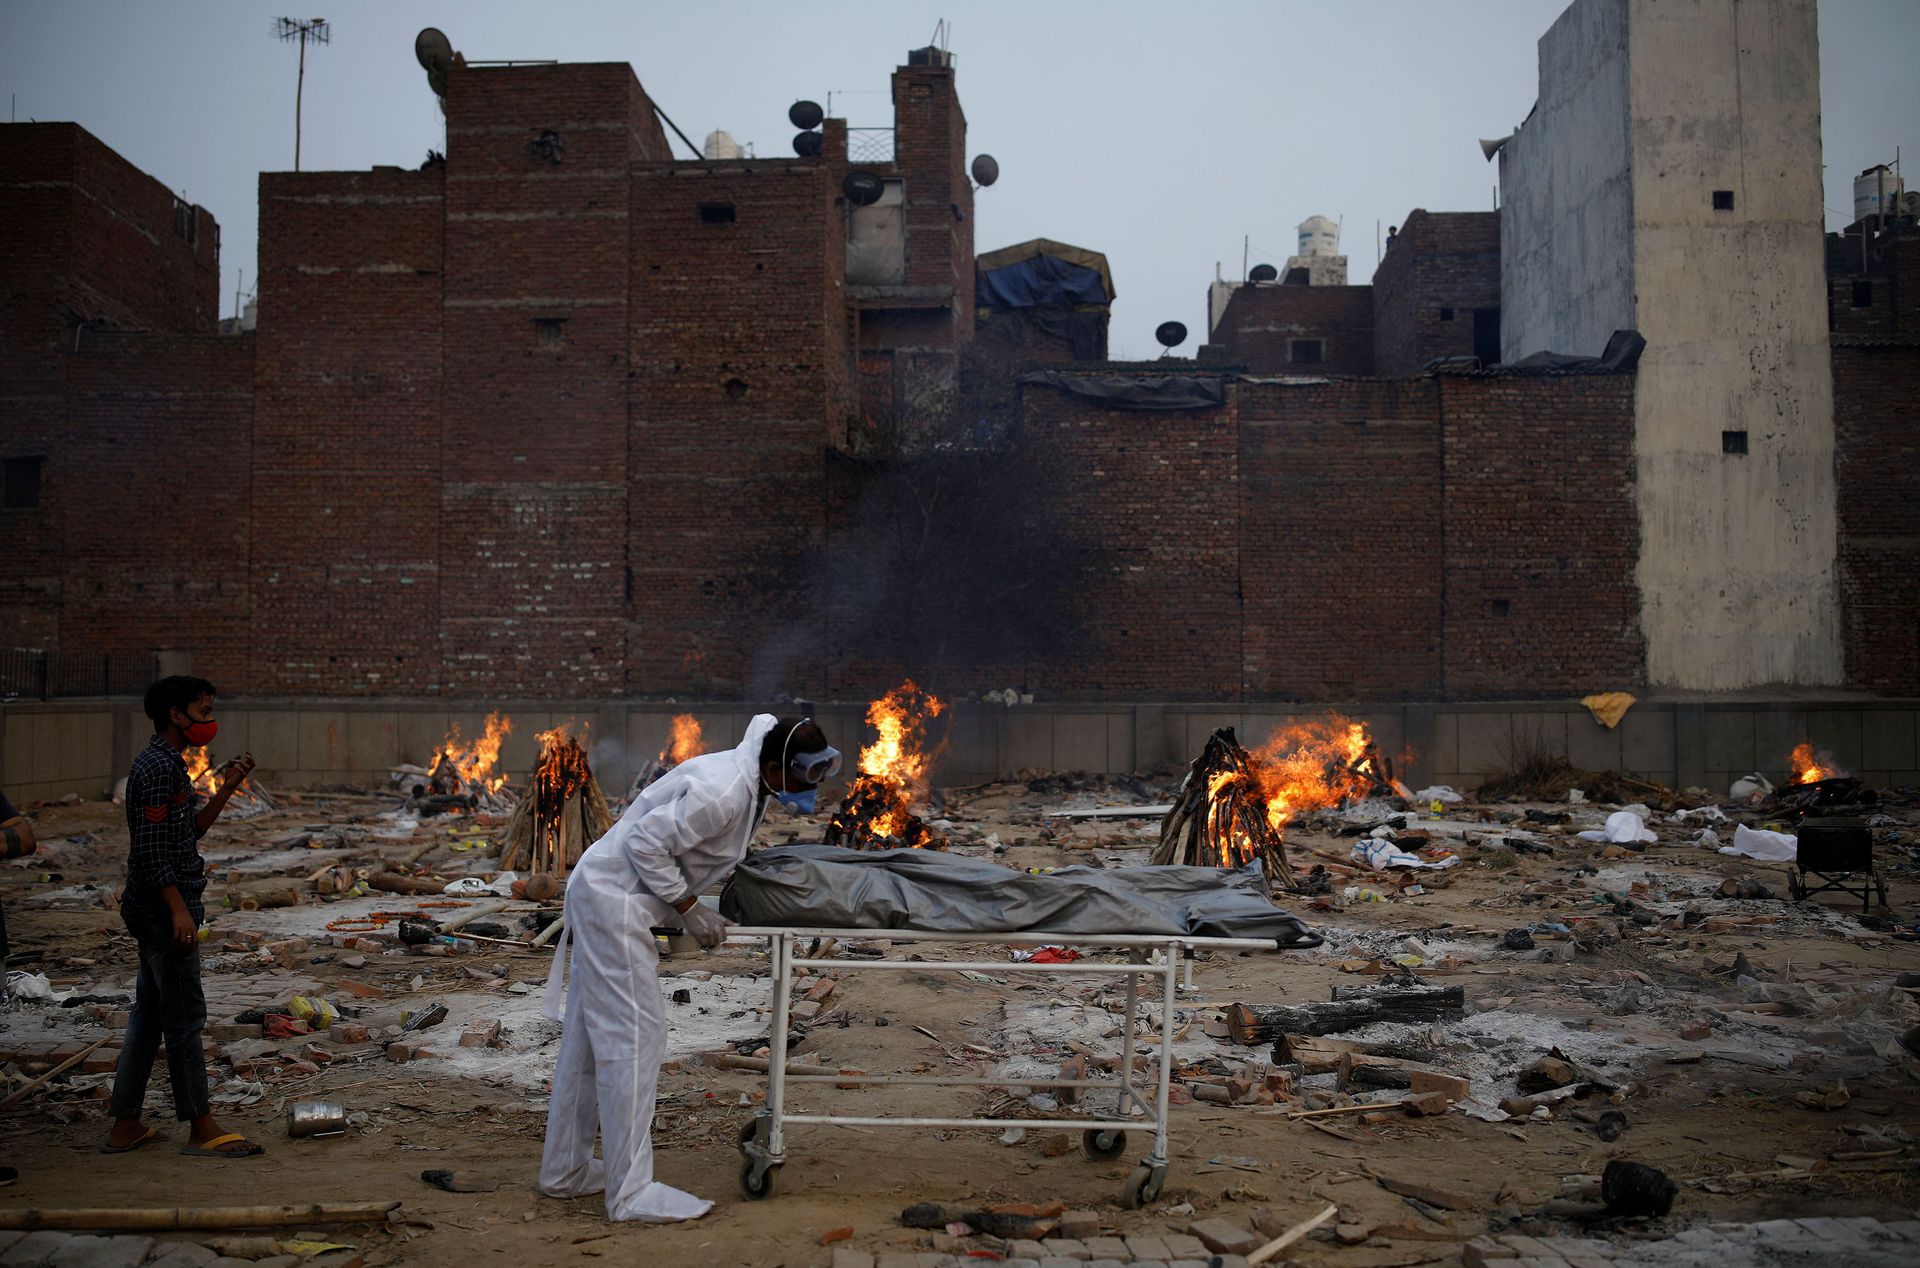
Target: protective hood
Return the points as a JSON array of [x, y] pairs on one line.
[[747, 752]]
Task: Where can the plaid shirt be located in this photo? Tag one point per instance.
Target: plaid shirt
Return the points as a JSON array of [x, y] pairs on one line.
[[165, 841]]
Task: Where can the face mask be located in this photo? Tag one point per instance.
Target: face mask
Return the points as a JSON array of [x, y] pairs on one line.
[[198, 734]]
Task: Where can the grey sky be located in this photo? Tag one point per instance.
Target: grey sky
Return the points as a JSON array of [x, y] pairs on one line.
[[1159, 134]]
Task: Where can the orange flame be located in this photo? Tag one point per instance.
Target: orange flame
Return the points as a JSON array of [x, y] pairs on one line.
[[200, 771], [1807, 770], [1307, 766], [684, 742], [562, 769], [477, 764], [893, 772]]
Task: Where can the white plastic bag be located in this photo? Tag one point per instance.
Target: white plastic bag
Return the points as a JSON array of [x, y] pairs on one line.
[[1439, 792], [1624, 827]]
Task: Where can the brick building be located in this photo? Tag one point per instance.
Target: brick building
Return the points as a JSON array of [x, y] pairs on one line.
[[565, 416]]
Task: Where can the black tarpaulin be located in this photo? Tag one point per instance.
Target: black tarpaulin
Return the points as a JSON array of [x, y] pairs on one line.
[[1135, 391], [818, 886]]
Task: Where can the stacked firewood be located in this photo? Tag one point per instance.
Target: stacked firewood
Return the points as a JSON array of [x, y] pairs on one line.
[[1220, 817], [562, 813]]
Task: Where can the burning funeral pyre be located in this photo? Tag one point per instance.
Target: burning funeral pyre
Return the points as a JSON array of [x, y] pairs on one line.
[[249, 799], [877, 812], [683, 741], [1234, 804], [459, 776], [562, 813], [1819, 784]]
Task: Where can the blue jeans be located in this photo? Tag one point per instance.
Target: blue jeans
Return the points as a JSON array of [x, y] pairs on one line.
[[167, 1004]]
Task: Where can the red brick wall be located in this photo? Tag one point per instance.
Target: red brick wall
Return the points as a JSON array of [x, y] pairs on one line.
[[152, 489], [532, 558], [1153, 497], [1539, 513], [930, 151], [87, 237], [1339, 504], [740, 379], [1439, 261], [1877, 470], [347, 449], [1347, 540], [1262, 320]]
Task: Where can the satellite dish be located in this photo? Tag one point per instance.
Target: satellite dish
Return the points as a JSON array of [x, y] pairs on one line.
[[805, 115], [1264, 273], [433, 50], [806, 144], [985, 169], [1171, 334], [863, 189]]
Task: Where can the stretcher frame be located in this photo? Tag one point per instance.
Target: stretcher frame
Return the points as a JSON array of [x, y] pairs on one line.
[[763, 1143]]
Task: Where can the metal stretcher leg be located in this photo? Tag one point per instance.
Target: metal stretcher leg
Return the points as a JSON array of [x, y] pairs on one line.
[[1144, 1183], [763, 1142]]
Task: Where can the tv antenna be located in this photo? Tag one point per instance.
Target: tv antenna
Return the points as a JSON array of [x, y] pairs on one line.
[[305, 31]]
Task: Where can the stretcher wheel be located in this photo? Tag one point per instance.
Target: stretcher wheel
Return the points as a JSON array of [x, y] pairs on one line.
[[1142, 1186], [1098, 1144], [756, 1180], [748, 1130]]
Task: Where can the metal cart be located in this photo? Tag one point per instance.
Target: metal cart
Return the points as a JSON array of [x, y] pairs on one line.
[[763, 1143], [1839, 852]]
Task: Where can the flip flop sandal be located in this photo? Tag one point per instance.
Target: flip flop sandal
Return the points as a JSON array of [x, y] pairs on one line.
[[213, 1148], [110, 1148]]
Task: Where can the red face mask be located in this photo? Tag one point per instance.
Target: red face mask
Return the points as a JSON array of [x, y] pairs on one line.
[[198, 734]]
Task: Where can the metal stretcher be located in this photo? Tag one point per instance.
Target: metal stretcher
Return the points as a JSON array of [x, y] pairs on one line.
[[763, 1145]]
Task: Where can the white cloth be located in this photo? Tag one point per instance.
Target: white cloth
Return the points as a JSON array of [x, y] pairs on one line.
[[678, 836], [1758, 843]]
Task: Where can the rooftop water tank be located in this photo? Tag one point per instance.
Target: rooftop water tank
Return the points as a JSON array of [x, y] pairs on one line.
[[1319, 236], [1876, 192], [720, 145]]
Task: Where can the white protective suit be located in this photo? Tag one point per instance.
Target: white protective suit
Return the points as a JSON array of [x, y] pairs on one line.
[[677, 837]]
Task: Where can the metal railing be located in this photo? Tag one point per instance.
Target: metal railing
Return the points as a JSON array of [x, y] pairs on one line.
[[40, 673], [870, 145]]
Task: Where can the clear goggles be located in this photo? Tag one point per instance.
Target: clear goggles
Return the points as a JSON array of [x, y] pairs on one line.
[[811, 768]]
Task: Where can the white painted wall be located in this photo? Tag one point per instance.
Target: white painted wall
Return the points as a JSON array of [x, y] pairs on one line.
[[1646, 108], [1737, 553], [1566, 194]]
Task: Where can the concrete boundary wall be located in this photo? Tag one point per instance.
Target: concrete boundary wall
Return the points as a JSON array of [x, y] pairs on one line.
[[50, 749]]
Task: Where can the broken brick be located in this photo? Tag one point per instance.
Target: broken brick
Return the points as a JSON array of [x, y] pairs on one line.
[[480, 1033]]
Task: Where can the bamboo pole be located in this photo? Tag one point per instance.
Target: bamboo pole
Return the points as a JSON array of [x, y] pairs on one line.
[[58, 1070], [1291, 1236], [551, 932], [195, 1217]]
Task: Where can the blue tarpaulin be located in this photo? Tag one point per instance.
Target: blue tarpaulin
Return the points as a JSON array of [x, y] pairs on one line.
[[1037, 280]]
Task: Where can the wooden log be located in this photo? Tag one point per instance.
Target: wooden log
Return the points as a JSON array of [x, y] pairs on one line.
[[551, 932], [1350, 1009], [1252, 1024], [1357, 1070], [185, 1217], [395, 883], [1316, 1055], [472, 913]]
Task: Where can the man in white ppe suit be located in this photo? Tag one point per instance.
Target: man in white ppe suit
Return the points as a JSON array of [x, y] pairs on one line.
[[683, 833]]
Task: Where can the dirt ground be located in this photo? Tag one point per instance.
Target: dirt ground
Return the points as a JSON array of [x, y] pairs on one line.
[[1816, 1003]]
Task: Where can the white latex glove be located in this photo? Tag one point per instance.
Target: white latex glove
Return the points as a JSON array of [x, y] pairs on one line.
[[705, 924]]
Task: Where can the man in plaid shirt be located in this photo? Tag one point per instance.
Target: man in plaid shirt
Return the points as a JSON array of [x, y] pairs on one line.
[[161, 907]]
